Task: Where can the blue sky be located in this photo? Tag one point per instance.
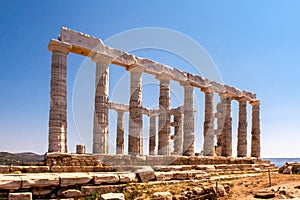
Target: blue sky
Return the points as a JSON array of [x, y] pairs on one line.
[[254, 44]]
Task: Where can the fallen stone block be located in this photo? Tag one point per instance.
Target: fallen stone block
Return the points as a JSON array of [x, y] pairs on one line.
[[127, 177], [71, 193], [112, 196], [162, 196], [105, 178], [264, 194], [146, 174], [20, 196]]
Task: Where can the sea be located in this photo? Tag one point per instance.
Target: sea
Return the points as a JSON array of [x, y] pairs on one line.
[[279, 162]]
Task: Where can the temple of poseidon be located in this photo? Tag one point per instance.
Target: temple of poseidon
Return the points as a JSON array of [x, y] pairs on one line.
[[183, 116]]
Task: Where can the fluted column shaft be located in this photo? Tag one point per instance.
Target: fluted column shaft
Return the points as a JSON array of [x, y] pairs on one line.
[[135, 142], [120, 133], [164, 118], [100, 131], [242, 129], [226, 149], [220, 123], [208, 146], [58, 97], [152, 135], [188, 123], [255, 131], [178, 134]]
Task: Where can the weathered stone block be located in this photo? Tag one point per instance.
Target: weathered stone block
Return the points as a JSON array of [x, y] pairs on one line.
[[68, 179], [39, 180], [163, 176], [10, 182], [101, 189], [105, 178], [20, 196], [146, 174], [112, 196], [162, 196], [71, 193], [127, 177]]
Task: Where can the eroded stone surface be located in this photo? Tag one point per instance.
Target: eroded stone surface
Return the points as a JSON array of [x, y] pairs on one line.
[[112, 196], [20, 196], [67, 179], [10, 182]]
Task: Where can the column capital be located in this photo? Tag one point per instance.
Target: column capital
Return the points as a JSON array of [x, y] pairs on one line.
[[255, 103], [56, 45], [241, 98], [135, 68], [227, 95], [102, 58], [207, 89]]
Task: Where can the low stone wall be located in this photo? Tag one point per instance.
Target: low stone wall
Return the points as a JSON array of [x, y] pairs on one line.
[[290, 168]]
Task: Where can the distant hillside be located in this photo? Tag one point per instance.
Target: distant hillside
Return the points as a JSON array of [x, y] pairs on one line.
[[19, 158]]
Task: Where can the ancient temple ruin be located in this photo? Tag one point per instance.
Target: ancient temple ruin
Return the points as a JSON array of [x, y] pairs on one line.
[[183, 116]]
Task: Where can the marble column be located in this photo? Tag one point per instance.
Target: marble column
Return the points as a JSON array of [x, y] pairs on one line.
[[152, 135], [100, 130], [219, 115], [120, 133], [164, 117], [226, 149], [178, 134], [58, 97], [209, 144], [135, 140], [242, 128], [255, 130], [188, 121]]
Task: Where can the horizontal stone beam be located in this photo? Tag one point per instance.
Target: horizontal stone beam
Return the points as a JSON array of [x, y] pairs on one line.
[[87, 45], [118, 106]]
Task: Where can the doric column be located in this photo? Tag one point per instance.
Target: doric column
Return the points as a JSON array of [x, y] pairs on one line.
[[135, 140], [219, 115], [178, 133], [255, 132], [188, 121], [152, 134], [209, 145], [226, 149], [120, 133], [58, 97], [100, 131], [164, 116], [242, 128]]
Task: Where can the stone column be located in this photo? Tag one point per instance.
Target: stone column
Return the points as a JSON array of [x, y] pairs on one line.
[[120, 133], [242, 128], [220, 123], [188, 121], [164, 117], [178, 134], [255, 132], [226, 149], [152, 134], [100, 131], [135, 142], [58, 97], [209, 144]]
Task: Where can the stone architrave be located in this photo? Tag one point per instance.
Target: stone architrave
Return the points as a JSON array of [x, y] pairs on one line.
[[58, 97], [164, 116], [188, 121], [100, 131], [152, 134], [209, 143], [120, 133], [255, 130], [178, 133], [242, 128], [135, 143], [226, 149]]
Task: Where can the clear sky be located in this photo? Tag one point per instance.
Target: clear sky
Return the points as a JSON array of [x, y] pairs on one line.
[[254, 44]]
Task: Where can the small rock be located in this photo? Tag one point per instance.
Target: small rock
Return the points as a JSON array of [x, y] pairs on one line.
[[162, 196], [264, 195], [71, 193], [112, 196]]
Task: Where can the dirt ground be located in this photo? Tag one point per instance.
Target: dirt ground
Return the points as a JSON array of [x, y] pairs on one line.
[[283, 186]]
